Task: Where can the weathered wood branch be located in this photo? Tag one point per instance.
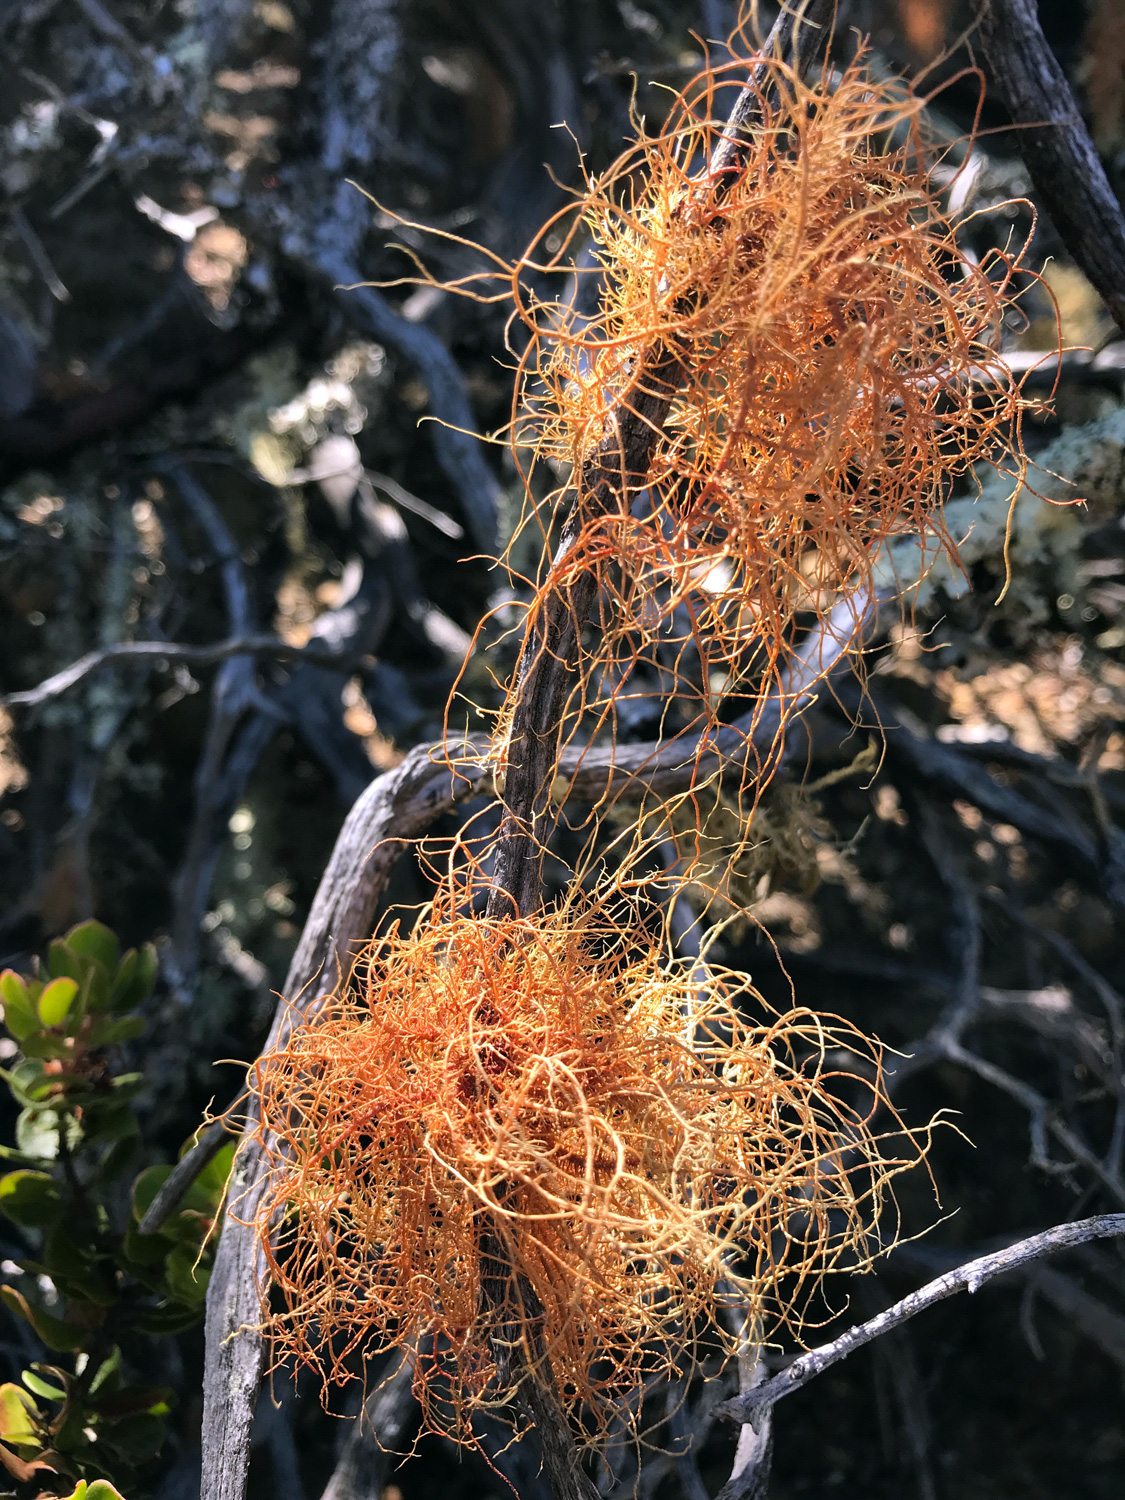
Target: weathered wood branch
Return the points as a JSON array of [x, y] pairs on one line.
[[154, 652], [397, 806], [1065, 167], [752, 1404]]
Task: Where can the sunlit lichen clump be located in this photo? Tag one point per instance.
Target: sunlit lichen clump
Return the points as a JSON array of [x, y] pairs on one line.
[[515, 1134]]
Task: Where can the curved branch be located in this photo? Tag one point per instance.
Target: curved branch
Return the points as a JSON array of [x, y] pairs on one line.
[[395, 807], [751, 1405], [1056, 146], [168, 651]]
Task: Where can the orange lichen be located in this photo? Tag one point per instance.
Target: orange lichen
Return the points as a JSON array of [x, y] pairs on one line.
[[537, 1147], [836, 360]]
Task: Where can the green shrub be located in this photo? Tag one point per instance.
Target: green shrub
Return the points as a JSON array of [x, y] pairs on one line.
[[92, 1287]]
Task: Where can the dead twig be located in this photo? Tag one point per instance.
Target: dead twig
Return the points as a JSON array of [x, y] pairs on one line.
[[155, 652], [1065, 167], [753, 1404]]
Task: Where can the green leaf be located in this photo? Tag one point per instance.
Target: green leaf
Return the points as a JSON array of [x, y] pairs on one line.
[[194, 1212], [30, 1199], [121, 1158], [37, 1133], [107, 1033], [128, 995], [107, 1119], [216, 1174], [189, 1226], [142, 1436], [122, 987], [187, 1276], [146, 1187], [56, 1000], [94, 940], [143, 1252], [47, 1044], [95, 984], [19, 1016], [136, 1401], [169, 1318], [27, 1081], [99, 1489], [76, 1265], [107, 1381], [42, 1387], [56, 1333], [18, 1413], [62, 963]]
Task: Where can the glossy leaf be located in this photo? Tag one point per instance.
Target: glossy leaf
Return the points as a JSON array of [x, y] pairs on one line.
[[19, 1015], [62, 963], [141, 1437], [94, 940], [41, 1387], [216, 1174], [187, 1275], [108, 1033], [127, 996], [56, 1333], [76, 1265], [17, 1415], [196, 1207], [92, 994], [121, 986], [56, 1000], [170, 1317], [135, 1401], [37, 1133], [47, 1044], [143, 1252], [107, 1380], [27, 1081], [146, 1187], [99, 1489], [30, 1199]]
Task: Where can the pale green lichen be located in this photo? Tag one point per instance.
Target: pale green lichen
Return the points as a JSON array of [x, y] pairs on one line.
[[1078, 477]]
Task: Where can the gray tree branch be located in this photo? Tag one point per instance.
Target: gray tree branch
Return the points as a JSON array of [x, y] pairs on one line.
[[1065, 167], [753, 1404]]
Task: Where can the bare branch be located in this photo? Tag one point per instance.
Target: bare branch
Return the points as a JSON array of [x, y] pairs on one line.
[[1056, 146], [169, 651], [395, 807], [750, 1406]]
